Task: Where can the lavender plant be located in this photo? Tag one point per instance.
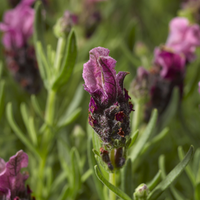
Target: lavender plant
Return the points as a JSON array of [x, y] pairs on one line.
[[126, 150]]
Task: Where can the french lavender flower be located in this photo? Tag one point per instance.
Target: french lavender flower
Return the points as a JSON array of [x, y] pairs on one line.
[[141, 192], [109, 106], [12, 182], [20, 55], [183, 37]]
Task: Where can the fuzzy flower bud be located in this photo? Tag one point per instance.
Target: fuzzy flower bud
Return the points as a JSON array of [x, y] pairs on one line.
[[109, 106], [141, 192], [64, 24]]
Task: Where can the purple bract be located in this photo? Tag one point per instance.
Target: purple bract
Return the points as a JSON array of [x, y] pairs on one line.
[[12, 182], [172, 64]]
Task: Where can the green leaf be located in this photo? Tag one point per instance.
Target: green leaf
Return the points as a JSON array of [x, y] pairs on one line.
[[196, 165], [36, 106], [145, 136], [39, 25], [188, 168], [2, 97], [86, 175], [134, 138], [113, 188], [126, 178], [92, 162], [65, 193], [32, 130], [131, 35], [197, 192], [168, 180], [155, 181], [68, 62], [39, 37], [18, 132], [171, 109], [155, 140], [72, 112], [76, 180]]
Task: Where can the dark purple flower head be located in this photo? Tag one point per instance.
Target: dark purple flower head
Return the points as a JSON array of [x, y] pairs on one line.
[[172, 64], [12, 182], [183, 37], [109, 106], [18, 25]]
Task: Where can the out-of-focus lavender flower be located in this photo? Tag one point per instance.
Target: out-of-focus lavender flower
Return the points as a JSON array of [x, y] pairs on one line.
[[18, 25], [20, 55], [23, 66], [183, 37], [64, 24], [172, 65], [12, 182], [199, 86], [109, 106]]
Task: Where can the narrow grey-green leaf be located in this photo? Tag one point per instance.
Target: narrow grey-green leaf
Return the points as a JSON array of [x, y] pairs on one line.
[[126, 178], [155, 181], [134, 138], [171, 109], [2, 97], [39, 25], [155, 140], [188, 168], [171, 176], [76, 181], [36, 106], [18, 132], [68, 62], [92, 162], [145, 136], [113, 188], [197, 192]]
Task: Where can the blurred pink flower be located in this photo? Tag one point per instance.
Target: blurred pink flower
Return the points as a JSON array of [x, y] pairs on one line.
[[183, 37], [17, 25]]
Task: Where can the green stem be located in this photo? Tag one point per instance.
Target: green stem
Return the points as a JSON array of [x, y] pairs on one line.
[[59, 52], [49, 119], [50, 107], [136, 116], [112, 176]]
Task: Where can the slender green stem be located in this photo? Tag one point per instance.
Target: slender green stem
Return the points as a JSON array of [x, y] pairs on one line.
[[59, 52], [112, 176], [49, 119], [136, 116], [50, 107], [112, 181]]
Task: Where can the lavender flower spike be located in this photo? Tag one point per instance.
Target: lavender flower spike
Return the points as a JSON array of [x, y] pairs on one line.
[[109, 106], [12, 182], [18, 25], [184, 37]]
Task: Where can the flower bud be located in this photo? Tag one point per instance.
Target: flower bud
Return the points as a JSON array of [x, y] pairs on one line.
[[64, 24], [141, 192]]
